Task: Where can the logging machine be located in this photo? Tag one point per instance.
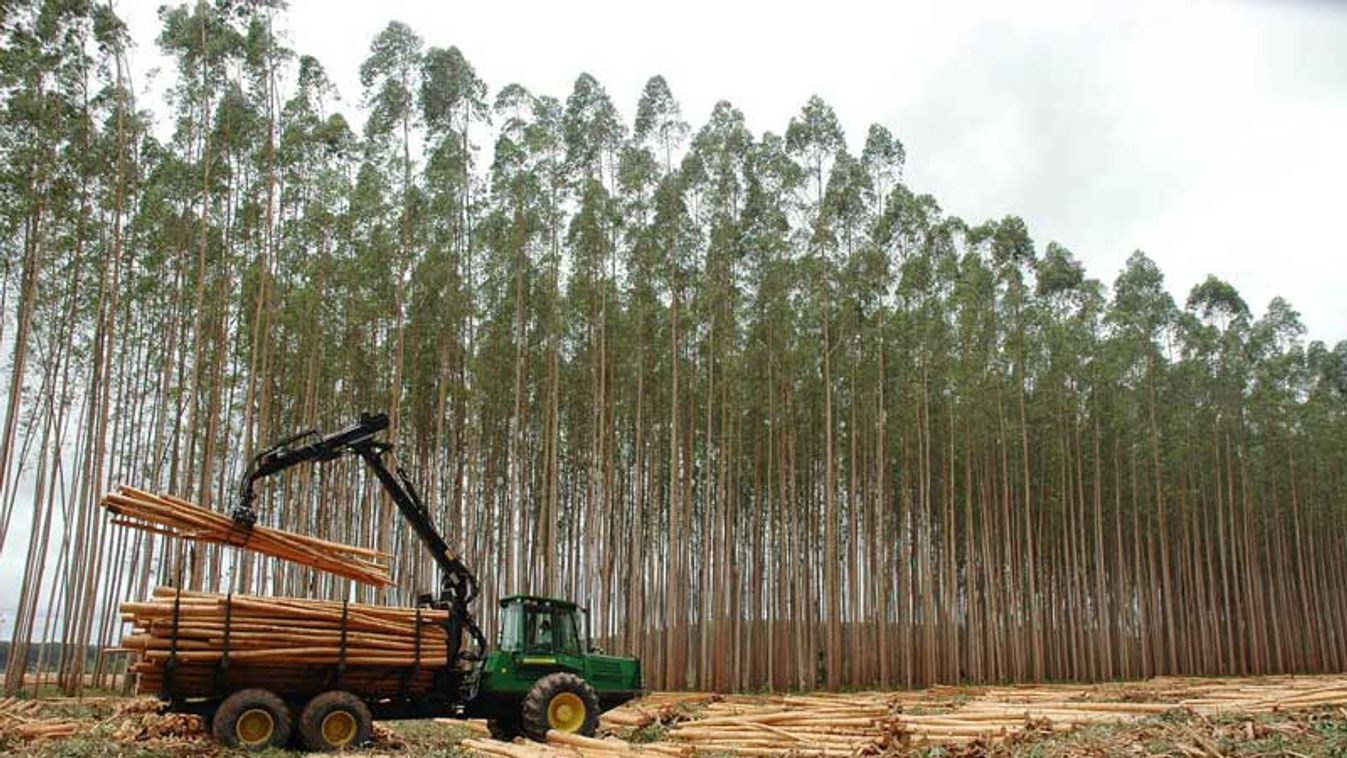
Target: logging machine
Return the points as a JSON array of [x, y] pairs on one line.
[[544, 673]]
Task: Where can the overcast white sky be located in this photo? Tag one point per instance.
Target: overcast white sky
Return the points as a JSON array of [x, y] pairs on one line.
[[1211, 135]]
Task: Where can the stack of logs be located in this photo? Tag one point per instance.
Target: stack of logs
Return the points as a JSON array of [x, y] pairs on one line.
[[818, 724], [23, 719], [173, 517], [562, 745], [814, 725], [997, 712], [881, 723], [291, 646]]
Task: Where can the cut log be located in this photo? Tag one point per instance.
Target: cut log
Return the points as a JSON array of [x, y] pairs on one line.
[[291, 646], [174, 517]]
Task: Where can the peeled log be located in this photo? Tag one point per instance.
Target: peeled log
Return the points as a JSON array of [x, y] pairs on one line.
[[289, 645], [170, 516]]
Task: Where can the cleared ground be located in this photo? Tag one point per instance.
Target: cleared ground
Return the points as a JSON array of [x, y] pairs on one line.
[[1283, 716]]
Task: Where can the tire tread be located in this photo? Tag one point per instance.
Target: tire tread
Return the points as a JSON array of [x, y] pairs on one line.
[[534, 711], [311, 719], [222, 723]]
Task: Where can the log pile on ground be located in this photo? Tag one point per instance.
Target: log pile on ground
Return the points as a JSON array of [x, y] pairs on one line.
[[819, 724], [23, 720], [173, 517], [142, 722], [656, 708], [291, 646], [994, 713], [878, 723], [1299, 734], [561, 745], [1235, 696], [997, 712]]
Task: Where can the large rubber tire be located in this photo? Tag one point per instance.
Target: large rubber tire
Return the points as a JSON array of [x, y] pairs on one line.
[[554, 703], [335, 720], [253, 719], [503, 729]]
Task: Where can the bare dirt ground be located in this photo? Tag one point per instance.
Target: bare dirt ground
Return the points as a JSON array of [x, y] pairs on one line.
[[1274, 716]]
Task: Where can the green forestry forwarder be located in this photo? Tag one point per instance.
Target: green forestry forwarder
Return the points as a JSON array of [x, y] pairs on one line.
[[544, 673]]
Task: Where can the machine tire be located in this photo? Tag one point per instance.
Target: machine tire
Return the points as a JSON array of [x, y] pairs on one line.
[[503, 729], [335, 720], [252, 719], [552, 704]]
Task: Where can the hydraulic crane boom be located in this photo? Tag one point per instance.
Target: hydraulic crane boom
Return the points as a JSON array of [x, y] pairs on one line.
[[458, 585]]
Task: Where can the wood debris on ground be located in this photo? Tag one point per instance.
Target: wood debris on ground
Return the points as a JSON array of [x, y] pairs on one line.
[[23, 719], [130, 721], [161, 729], [656, 707], [173, 517], [877, 723]]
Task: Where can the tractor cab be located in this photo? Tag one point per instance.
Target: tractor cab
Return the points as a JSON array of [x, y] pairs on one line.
[[539, 626]]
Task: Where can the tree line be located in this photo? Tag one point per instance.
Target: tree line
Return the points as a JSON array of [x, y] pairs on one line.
[[775, 416]]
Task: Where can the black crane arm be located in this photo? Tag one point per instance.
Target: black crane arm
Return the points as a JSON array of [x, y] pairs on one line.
[[458, 585]]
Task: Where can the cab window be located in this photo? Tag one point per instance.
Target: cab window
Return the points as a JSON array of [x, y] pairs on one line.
[[568, 636], [512, 629], [540, 633]]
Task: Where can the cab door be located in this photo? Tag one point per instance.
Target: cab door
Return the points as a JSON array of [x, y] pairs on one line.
[[551, 642], [569, 641]]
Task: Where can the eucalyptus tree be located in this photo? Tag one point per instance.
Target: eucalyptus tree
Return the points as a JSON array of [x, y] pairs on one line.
[[848, 202], [111, 361], [884, 158], [904, 233], [1012, 254], [263, 58], [49, 185], [637, 370], [1071, 307], [390, 76], [544, 142], [974, 380], [924, 510], [593, 135], [1275, 375], [205, 43], [444, 306], [34, 123], [676, 242], [771, 181], [815, 138], [1142, 313], [516, 233], [713, 174], [1218, 325], [659, 120], [315, 153], [658, 131]]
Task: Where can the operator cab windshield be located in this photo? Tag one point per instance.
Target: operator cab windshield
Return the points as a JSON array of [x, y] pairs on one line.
[[539, 630]]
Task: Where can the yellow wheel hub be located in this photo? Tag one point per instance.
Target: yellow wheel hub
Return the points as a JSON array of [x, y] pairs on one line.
[[566, 712], [339, 728], [254, 727]]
